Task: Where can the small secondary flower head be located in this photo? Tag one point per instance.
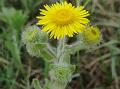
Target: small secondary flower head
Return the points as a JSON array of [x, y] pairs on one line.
[[63, 19], [32, 34], [91, 36]]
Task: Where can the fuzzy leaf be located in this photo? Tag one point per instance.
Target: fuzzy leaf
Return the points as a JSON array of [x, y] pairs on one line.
[[36, 84]]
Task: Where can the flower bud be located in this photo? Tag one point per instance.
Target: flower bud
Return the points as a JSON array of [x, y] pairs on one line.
[[91, 36], [33, 34], [61, 72]]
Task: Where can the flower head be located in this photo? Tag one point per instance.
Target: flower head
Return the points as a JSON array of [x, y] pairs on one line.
[[91, 36], [61, 72], [32, 34], [63, 19]]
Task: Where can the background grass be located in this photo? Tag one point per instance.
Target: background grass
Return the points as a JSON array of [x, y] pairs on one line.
[[98, 68]]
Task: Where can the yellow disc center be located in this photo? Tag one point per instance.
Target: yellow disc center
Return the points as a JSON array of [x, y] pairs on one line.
[[63, 17]]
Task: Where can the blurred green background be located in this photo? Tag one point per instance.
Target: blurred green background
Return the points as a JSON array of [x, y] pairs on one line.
[[98, 69]]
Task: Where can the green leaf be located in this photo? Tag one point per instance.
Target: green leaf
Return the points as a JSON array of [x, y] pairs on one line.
[[36, 84], [46, 55], [40, 50], [14, 18], [14, 52]]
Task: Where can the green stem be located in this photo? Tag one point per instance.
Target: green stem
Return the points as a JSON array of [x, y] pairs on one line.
[[86, 2], [60, 58], [61, 1], [78, 2], [17, 53], [58, 85], [46, 69], [60, 50]]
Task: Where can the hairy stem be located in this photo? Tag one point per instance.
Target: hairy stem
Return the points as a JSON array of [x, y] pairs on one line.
[[62, 1], [60, 50], [78, 2]]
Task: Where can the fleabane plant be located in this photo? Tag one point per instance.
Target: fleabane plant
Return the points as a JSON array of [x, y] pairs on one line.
[[60, 21], [63, 19]]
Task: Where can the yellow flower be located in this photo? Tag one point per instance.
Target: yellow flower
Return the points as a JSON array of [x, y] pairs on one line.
[[63, 19], [91, 36]]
